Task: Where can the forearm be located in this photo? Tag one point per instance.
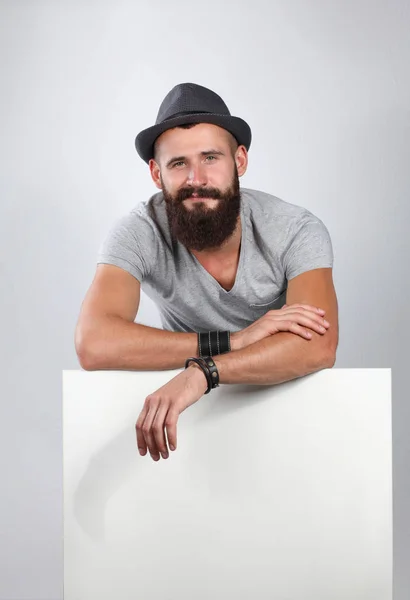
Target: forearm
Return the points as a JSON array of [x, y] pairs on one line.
[[115, 344], [274, 359]]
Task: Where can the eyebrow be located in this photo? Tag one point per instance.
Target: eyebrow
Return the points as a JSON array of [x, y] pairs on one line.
[[204, 153]]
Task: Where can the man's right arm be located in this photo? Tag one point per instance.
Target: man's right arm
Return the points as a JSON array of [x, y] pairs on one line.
[[106, 336]]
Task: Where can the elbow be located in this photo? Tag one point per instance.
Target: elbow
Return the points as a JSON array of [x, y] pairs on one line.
[[84, 350], [327, 359], [327, 355], [330, 361], [323, 356], [86, 361]]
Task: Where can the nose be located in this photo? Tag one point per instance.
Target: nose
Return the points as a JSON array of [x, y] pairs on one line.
[[196, 175]]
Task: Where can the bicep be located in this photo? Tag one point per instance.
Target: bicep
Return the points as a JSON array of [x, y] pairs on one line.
[[316, 288], [113, 292]]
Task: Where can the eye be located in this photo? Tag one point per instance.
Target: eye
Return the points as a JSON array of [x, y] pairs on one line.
[[211, 156], [179, 162]]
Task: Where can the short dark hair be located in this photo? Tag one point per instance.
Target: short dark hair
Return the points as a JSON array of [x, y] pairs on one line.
[[233, 142]]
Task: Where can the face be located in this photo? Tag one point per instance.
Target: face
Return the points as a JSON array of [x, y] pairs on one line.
[[199, 178]]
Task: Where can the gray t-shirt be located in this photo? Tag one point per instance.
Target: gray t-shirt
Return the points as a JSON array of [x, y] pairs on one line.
[[279, 241]]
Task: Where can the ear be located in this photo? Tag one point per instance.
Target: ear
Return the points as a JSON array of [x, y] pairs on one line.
[[241, 160], [155, 173]]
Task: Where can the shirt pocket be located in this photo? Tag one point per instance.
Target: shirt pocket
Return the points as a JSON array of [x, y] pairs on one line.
[[274, 303]]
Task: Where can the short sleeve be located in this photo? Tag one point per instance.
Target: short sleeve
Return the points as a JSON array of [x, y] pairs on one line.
[[122, 246], [309, 247]]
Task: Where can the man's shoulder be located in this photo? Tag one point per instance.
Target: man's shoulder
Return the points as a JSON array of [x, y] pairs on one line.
[[137, 223], [145, 211], [268, 205], [146, 208]]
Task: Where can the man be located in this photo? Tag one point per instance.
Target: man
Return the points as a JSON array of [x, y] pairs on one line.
[[215, 258]]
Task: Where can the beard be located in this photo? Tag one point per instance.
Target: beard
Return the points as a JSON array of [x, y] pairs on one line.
[[201, 227]]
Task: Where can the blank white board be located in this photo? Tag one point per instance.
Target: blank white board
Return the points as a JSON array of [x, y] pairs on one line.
[[274, 493]]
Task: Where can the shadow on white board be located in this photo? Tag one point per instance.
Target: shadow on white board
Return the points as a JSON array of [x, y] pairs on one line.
[[274, 492]]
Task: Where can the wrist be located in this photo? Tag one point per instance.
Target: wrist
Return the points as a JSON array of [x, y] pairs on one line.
[[235, 341], [198, 375]]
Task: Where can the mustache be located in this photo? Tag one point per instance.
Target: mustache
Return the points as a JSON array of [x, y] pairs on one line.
[[185, 193]]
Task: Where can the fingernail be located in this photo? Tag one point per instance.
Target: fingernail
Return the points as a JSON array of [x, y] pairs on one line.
[[164, 454], [172, 447]]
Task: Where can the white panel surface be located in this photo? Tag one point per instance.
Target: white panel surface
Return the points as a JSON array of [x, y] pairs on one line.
[[274, 492]]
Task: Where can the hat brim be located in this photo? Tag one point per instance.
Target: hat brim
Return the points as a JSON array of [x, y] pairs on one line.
[[144, 142]]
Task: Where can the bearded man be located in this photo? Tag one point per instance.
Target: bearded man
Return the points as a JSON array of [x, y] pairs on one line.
[[241, 278]]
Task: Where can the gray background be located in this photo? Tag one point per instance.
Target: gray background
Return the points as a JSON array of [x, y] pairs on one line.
[[325, 88]]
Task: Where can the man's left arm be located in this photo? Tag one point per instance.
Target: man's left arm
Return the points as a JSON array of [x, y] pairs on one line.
[[277, 358], [285, 356]]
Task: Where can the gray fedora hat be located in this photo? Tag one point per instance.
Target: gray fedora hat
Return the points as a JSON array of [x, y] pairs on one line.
[[191, 103]]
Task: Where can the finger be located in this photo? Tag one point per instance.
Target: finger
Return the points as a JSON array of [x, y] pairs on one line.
[[141, 443], [158, 426], [148, 432], [315, 309], [171, 427], [295, 327], [307, 318]]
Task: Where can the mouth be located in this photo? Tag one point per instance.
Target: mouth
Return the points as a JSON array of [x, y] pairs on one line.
[[199, 198]]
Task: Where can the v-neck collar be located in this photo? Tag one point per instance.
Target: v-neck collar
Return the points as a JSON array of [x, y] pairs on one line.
[[241, 256]]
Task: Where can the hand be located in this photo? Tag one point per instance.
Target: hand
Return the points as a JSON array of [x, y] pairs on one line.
[[162, 409], [288, 318]]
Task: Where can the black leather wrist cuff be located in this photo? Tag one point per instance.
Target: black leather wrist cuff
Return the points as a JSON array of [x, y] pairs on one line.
[[209, 369], [212, 343]]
